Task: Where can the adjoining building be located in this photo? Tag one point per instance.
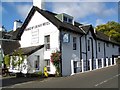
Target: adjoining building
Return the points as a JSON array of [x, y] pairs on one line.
[[59, 32]]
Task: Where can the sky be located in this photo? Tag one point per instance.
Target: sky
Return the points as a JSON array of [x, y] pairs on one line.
[[95, 13]]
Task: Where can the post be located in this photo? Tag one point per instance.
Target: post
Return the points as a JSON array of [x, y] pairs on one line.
[[96, 63], [106, 62], [102, 62], [72, 68], [90, 64], [114, 61], [82, 65], [111, 61]]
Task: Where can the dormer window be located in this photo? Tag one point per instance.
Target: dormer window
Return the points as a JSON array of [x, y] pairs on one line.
[[70, 20], [65, 19]]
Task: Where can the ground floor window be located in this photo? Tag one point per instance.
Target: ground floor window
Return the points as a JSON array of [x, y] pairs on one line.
[[47, 64], [37, 63]]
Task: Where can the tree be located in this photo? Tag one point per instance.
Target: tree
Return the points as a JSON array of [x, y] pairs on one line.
[[111, 29], [7, 60], [20, 58]]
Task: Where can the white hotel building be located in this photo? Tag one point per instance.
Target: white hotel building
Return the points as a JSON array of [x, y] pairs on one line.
[[44, 32]]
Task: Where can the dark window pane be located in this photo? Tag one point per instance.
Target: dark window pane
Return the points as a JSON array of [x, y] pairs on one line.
[[70, 20], [65, 19], [74, 43], [88, 45]]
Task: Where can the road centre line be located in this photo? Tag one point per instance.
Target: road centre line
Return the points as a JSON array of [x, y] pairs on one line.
[[107, 80]]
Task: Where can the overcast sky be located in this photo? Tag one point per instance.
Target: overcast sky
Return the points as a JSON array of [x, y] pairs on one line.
[[94, 13]]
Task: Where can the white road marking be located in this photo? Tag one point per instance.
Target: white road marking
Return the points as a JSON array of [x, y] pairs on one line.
[[107, 80]]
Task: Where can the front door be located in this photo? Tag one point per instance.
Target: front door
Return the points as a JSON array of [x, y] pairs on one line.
[[75, 66]]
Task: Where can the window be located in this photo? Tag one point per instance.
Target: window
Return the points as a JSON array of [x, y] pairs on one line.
[[88, 45], [47, 42], [113, 45], [37, 63], [47, 64], [70, 20], [74, 43], [65, 19], [107, 44], [99, 47], [119, 50]]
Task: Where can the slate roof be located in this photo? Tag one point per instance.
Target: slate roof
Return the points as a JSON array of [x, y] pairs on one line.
[[29, 50], [99, 35]]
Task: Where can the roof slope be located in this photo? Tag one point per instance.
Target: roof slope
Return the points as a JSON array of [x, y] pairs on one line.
[[60, 25], [30, 50], [51, 17], [98, 35]]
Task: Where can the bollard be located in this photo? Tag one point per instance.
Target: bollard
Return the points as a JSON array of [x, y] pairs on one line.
[[102, 62], [114, 61], [96, 63], [72, 68], [82, 65], [90, 64], [111, 61], [106, 62]]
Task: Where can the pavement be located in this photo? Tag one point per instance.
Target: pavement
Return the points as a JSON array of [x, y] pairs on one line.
[[101, 78]]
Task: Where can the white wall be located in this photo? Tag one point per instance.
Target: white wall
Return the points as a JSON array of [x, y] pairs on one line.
[[50, 29], [33, 57]]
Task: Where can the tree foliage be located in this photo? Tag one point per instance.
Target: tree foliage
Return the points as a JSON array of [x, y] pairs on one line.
[[7, 60], [20, 58], [111, 29]]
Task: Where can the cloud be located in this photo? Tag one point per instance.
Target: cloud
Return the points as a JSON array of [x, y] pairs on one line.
[[16, 0], [23, 10], [83, 9], [99, 21]]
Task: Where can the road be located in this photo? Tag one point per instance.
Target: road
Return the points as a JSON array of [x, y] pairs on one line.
[[101, 78]]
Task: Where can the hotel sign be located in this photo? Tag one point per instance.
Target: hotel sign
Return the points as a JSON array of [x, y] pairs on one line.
[[37, 26]]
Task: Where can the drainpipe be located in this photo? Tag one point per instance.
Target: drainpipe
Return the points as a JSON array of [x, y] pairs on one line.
[[60, 46], [86, 51], [80, 48]]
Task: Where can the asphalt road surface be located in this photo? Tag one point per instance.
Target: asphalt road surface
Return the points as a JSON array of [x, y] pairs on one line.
[[101, 78]]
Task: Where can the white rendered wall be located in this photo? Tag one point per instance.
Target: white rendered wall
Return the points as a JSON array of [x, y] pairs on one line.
[[33, 57], [49, 29]]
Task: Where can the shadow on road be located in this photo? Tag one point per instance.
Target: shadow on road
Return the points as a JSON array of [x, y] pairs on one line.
[[12, 81]]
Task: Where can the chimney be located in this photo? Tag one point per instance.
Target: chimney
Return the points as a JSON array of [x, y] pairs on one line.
[[3, 29], [17, 24], [94, 30], [39, 3]]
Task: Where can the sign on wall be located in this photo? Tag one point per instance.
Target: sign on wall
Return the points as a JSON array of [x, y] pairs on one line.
[[35, 36], [66, 38]]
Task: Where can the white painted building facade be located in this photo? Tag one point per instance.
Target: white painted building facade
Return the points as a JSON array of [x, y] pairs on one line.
[[43, 28]]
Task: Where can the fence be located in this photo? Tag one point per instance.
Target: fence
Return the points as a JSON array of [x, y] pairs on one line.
[[90, 64]]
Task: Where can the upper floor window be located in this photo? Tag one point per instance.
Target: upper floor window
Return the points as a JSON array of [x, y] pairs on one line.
[[99, 47], [113, 45], [65, 19], [88, 45], [47, 42], [107, 44], [74, 43], [70, 20]]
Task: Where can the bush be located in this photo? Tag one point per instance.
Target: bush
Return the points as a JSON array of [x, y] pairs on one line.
[[40, 73]]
